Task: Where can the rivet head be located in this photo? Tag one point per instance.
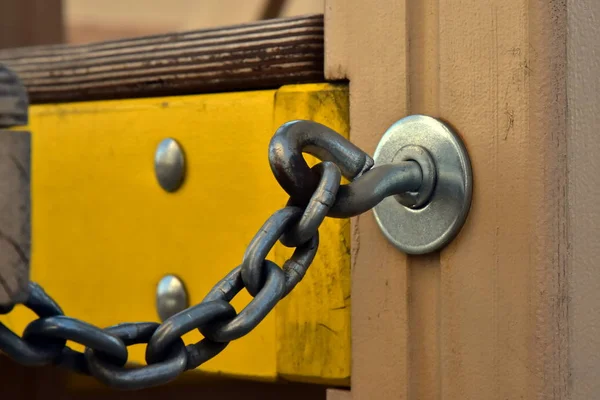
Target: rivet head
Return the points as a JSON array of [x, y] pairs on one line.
[[169, 164], [171, 296]]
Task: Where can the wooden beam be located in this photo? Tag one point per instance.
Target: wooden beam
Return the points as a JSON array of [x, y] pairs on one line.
[[259, 55]]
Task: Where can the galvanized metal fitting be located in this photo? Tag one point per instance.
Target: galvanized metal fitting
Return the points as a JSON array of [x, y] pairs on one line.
[[425, 220], [171, 296], [169, 164]]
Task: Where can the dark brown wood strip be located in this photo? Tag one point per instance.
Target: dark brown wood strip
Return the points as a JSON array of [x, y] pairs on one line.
[[195, 62], [259, 55], [166, 56]]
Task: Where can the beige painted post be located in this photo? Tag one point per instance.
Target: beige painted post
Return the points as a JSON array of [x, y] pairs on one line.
[[583, 119], [366, 43], [486, 318]]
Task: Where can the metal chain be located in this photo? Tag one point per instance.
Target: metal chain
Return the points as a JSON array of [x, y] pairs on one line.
[[314, 193]]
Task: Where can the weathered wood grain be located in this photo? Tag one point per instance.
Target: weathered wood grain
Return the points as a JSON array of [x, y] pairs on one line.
[[15, 232], [264, 54]]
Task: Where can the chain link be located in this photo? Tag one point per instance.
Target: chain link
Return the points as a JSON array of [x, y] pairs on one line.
[[315, 193], [55, 331], [162, 371], [264, 301], [252, 270], [317, 208], [181, 323], [291, 170], [20, 349]]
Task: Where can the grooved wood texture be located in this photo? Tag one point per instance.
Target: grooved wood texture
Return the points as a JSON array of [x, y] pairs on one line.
[[264, 54], [486, 318]]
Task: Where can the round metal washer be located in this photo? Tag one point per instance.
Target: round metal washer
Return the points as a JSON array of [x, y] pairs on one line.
[[427, 229]]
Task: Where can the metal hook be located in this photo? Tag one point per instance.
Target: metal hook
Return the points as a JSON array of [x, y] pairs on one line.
[[375, 185], [290, 168]]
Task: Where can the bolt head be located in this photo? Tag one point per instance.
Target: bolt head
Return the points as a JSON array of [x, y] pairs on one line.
[[169, 164], [171, 296]]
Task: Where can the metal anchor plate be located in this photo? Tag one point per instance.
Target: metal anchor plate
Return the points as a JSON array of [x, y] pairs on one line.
[[433, 225]]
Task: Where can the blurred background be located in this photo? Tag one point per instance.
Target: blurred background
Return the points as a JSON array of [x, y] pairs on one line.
[[36, 22]]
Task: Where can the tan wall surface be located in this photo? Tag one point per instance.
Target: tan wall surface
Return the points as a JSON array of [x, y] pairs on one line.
[[584, 196], [486, 318], [368, 45]]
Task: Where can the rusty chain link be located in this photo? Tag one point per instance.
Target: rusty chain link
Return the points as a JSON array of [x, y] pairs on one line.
[[314, 193]]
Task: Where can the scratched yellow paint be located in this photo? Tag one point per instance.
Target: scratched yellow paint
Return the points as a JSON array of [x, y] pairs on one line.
[[313, 322], [104, 232]]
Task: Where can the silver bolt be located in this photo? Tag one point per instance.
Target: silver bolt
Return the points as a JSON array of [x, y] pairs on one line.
[[171, 296], [169, 164]]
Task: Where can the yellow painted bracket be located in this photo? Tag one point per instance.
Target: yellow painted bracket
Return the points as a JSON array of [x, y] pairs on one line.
[[104, 232]]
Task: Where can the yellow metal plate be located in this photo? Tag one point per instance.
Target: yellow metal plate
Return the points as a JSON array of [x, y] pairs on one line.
[[313, 322], [104, 232]]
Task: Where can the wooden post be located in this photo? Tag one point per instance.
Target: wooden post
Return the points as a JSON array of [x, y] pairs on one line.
[[366, 43], [15, 231], [583, 224], [486, 318], [22, 23]]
